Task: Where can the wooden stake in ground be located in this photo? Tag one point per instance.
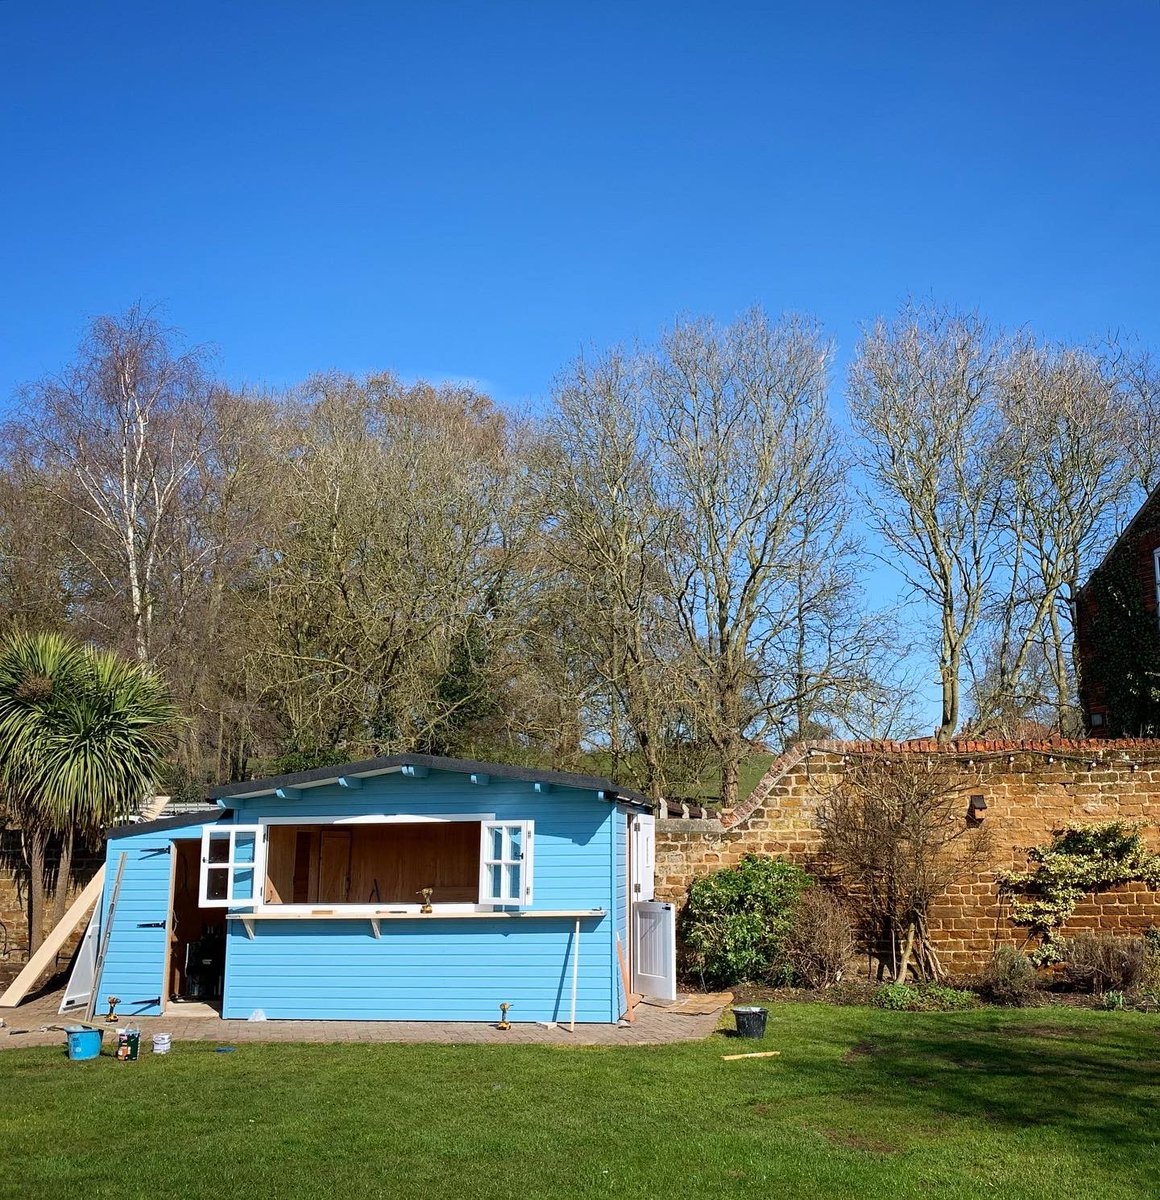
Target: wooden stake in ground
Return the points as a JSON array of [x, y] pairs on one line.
[[629, 995]]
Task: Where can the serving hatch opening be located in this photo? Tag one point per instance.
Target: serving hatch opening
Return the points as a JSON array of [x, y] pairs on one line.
[[379, 864]]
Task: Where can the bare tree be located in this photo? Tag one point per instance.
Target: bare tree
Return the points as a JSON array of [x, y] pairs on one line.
[[748, 463], [1138, 374], [41, 586], [120, 434], [898, 833], [605, 526], [923, 393], [1068, 478]]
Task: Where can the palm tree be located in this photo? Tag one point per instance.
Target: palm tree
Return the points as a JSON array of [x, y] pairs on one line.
[[83, 734]]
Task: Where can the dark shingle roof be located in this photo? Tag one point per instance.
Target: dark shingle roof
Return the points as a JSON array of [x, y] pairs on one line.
[[463, 766]]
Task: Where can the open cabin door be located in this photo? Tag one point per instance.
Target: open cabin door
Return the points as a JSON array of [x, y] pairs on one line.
[[79, 988], [654, 949], [644, 854]]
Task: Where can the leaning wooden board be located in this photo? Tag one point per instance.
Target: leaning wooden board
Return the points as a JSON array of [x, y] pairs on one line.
[[36, 966], [51, 946]]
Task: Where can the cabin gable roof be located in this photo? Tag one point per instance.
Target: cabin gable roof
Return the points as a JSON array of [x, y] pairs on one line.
[[395, 763]]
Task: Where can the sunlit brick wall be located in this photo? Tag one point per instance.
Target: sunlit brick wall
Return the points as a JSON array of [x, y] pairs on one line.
[[1031, 790]]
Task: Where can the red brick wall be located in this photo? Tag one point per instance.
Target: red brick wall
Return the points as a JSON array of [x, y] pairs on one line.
[[1031, 790], [1133, 553]]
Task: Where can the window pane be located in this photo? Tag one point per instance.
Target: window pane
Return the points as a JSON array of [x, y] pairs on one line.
[[244, 884], [497, 842], [514, 883], [219, 849], [215, 884], [244, 844], [496, 877], [516, 837]]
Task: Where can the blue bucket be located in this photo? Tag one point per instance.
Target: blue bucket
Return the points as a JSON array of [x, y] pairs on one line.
[[83, 1043]]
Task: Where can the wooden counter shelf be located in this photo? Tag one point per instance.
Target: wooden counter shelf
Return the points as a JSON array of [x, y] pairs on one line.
[[330, 914]]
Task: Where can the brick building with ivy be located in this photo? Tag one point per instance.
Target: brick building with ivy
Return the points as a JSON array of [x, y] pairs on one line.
[[1117, 622]]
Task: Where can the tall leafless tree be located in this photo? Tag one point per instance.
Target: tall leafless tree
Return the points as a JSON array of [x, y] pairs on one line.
[[605, 524], [749, 464], [120, 434], [924, 396], [1068, 478]]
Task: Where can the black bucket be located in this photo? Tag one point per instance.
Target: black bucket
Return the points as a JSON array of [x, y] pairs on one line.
[[750, 1021]]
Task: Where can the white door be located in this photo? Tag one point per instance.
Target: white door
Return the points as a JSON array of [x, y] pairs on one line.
[[644, 853], [80, 983], [654, 949]]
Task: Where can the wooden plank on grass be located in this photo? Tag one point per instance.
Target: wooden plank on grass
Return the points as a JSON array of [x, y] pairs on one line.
[[629, 994]]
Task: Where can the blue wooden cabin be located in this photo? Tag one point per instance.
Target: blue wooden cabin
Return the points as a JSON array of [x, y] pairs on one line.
[[403, 888]]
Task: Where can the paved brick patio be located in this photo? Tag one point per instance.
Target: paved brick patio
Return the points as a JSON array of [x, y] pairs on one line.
[[653, 1026]]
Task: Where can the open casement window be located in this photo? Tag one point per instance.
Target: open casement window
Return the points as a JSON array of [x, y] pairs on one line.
[[233, 866], [505, 873]]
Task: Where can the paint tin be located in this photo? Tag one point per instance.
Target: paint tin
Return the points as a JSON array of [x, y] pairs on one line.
[[128, 1045], [161, 1043], [83, 1043]]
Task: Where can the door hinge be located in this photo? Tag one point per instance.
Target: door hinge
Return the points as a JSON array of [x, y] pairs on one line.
[[636, 887], [150, 924]]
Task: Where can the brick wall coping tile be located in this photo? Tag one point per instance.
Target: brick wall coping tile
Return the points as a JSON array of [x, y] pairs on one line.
[[689, 825], [1092, 750]]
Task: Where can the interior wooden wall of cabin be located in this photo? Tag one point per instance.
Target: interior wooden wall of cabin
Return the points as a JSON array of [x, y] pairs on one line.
[[373, 864], [188, 921]]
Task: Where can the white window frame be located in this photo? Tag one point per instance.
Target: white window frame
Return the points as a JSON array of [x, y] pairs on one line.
[[231, 865], [523, 860], [361, 906]]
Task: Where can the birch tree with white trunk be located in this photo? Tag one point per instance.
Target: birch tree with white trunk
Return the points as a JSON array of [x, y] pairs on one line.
[[121, 433]]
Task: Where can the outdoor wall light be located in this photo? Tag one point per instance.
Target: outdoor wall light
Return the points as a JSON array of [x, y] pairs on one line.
[[977, 809]]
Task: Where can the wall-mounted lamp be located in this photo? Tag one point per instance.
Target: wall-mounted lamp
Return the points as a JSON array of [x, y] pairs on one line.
[[977, 809]]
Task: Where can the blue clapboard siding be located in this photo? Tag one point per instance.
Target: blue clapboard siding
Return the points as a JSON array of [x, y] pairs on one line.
[[433, 969], [134, 968], [440, 968]]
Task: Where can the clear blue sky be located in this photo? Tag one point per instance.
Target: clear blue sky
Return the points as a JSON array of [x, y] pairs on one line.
[[478, 190]]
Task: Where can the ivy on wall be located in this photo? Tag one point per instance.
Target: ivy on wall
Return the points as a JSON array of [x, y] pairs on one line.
[[1080, 859], [1125, 642]]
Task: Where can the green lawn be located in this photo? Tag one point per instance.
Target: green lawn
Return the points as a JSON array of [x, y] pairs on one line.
[[861, 1103]]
